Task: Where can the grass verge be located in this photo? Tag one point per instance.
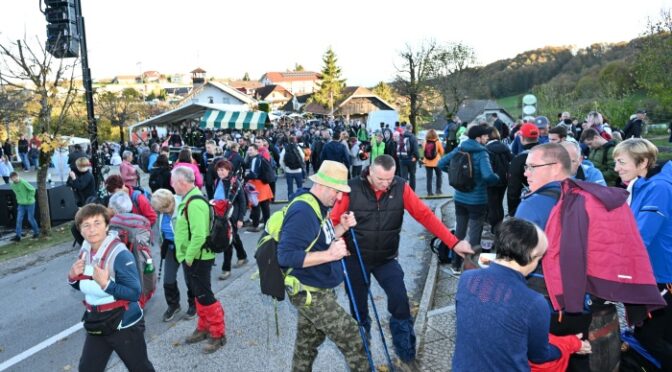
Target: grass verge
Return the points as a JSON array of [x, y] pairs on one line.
[[59, 235]]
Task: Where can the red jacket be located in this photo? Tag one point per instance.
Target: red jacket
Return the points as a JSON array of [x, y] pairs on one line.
[[594, 247], [143, 207]]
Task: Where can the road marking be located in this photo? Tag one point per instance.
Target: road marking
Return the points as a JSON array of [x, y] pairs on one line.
[[39, 347]]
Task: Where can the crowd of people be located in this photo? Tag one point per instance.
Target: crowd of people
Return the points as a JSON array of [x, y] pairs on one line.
[[364, 179]]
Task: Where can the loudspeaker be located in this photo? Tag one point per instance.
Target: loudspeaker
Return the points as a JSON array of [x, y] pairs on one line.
[[62, 205]]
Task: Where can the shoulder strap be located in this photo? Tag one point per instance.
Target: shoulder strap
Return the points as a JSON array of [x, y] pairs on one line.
[[110, 251], [310, 200], [186, 207]]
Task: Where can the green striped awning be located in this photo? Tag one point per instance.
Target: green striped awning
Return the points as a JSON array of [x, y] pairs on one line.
[[216, 119]]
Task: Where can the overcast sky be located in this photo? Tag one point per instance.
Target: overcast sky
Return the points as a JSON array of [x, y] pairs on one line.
[[229, 38]]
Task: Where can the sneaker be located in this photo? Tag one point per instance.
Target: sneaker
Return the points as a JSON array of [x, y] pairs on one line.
[[255, 229], [16, 238], [241, 262], [191, 312], [214, 344], [196, 336], [247, 223], [456, 271], [224, 275], [170, 313]]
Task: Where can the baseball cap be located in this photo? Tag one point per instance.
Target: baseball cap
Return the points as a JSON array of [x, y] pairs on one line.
[[541, 122], [529, 131]]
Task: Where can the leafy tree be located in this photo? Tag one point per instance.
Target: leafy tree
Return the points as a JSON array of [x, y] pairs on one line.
[[452, 79], [246, 77], [331, 86], [50, 83], [654, 62], [298, 67], [12, 107], [414, 74], [121, 108], [384, 91]]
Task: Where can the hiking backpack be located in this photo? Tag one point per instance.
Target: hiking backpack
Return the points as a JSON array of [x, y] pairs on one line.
[[135, 232], [271, 276], [461, 172], [292, 160], [430, 150], [220, 232], [266, 171]]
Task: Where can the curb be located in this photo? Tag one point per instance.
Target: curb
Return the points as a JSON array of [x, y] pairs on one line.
[[427, 296]]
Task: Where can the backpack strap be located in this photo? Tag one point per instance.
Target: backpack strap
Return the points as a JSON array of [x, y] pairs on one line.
[[110, 254], [186, 214], [135, 196], [293, 284]]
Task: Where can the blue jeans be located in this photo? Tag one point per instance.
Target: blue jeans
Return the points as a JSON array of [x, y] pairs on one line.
[[35, 161], [29, 210], [291, 178], [24, 160]]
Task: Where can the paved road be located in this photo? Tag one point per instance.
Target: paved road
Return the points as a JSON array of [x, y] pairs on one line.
[[38, 304]]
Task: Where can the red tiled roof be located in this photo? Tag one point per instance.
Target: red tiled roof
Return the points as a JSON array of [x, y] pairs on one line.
[[292, 76]]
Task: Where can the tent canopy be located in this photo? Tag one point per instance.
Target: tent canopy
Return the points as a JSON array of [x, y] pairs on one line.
[[249, 120]]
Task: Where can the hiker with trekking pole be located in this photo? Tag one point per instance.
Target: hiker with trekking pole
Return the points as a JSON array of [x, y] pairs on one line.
[[378, 199], [311, 247]]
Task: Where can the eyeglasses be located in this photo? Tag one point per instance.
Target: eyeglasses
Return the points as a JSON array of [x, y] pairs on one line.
[[531, 167]]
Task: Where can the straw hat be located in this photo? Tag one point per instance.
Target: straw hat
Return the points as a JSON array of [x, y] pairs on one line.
[[332, 174]]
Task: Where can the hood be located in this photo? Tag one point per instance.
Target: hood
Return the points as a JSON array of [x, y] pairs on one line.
[[610, 197], [660, 173], [497, 147], [471, 145]]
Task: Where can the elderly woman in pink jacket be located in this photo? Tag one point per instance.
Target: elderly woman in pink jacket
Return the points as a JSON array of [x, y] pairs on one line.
[[128, 172]]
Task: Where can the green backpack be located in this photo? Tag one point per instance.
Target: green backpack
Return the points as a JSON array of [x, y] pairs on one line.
[[272, 279]]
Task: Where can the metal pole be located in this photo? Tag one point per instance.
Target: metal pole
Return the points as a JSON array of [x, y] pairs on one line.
[[88, 90]]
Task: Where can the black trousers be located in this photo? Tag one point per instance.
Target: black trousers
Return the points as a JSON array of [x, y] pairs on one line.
[[265, 209], [128, 343], [235, 243], [656, 333], [199, 280], [430, 173], [496, 205]]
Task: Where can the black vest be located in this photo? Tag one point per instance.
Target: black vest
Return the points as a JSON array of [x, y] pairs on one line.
[[378, 221]]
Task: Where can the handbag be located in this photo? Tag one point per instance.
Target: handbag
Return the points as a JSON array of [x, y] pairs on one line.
[[103, 323]]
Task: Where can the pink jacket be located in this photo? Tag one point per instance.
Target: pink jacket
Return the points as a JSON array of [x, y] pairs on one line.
[[197, 173], [594, 247], [128, 174]]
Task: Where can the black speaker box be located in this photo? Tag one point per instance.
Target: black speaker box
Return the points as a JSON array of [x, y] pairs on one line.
[[62, 205]]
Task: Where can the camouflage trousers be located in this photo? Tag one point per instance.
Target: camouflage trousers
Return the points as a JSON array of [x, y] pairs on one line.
[[325, 318]]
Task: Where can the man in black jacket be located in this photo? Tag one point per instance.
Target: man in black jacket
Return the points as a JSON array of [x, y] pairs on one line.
[[82, 182], [408, 156], [529, 137]]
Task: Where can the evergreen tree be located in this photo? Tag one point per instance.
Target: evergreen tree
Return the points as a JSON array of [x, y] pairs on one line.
[[298, 67], [384, 91], [246, 77], [332, 85]]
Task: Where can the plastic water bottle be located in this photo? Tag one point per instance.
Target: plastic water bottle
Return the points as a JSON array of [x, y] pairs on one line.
[[149, 267]]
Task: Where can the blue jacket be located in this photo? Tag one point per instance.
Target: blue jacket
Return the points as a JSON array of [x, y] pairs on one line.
[[336, 151], [652, 207], [495, 304], [592, 174], [300, 226], [483, 174], [536, 207]]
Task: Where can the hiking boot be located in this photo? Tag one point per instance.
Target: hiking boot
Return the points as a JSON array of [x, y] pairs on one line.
[[408, 366], [191, 313], [197, 336], [214, 344], [224, 275], [456, 271], [16, 239], [241, 262], [170, 313]]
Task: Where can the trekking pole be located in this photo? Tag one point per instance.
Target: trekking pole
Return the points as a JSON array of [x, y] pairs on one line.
[[362, 331], [373, 302]]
